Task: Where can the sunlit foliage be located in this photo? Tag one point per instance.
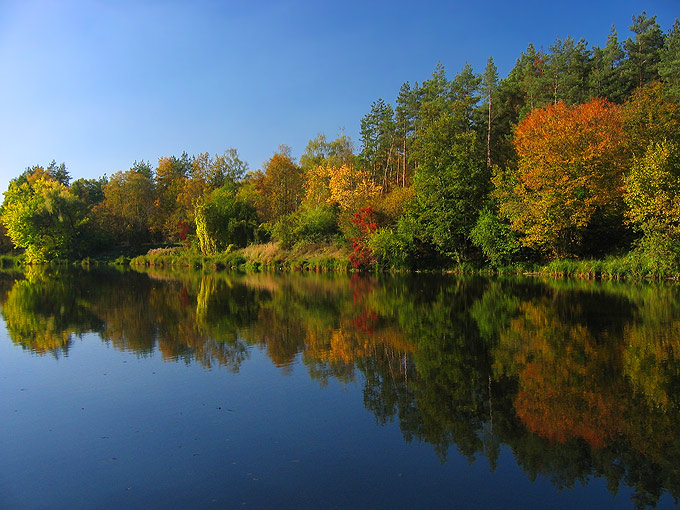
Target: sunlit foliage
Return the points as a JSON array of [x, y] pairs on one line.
[[570, 166], [42, 216]]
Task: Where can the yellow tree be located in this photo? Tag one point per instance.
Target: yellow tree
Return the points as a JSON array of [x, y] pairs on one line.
[[42, 216], [317, 185], [651, 194], [282, 187], [651, 115], [351, 188]]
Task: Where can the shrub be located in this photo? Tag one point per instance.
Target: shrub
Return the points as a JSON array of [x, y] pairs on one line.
[[362, 257], [389, 248], [284, 230], [494, 238], [316, 224]]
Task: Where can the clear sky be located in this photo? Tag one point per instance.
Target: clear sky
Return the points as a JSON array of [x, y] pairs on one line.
[[99, 84]]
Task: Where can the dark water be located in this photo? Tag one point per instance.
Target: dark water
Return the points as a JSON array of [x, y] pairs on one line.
[[129, 390]]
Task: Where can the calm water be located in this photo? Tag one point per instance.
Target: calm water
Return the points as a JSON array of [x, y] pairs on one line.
[[130, 390]]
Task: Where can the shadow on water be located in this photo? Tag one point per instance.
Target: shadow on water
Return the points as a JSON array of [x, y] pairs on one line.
[[579, 379]]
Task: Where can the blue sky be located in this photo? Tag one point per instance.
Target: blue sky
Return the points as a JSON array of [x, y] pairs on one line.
[[99, 84]]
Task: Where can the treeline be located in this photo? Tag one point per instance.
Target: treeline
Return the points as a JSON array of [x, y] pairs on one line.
[[573, 154]]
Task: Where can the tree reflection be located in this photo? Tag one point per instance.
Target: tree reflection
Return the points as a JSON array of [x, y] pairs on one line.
[[579, 379], [43, 313]]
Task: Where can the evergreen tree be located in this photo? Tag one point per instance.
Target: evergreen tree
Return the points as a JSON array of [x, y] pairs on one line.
[[465, 95], [489, 85], [406, 118], [669, 63], [605, 79], [644, 51], [378, 137], [534, 82], [567, 69]]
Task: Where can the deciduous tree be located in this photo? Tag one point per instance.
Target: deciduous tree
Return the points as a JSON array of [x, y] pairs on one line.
[[570, 166], [127, 212], [224, 219], [281, 188], [42, 216], [651, 193]]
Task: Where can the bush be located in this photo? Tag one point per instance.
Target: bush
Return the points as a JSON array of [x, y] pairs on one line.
[[494, 238], [389, 248], [316, 224], [284, 231]]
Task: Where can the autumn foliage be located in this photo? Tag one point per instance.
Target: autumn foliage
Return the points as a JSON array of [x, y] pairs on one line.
[[570, 165], [361, 256]]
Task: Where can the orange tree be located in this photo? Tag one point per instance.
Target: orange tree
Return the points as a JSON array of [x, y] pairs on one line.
[[569, 169]]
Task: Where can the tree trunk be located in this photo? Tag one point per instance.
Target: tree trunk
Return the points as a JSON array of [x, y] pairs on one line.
[[488, 138]]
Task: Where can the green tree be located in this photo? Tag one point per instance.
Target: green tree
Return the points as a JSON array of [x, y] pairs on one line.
[[406, 117], [90, 191], [605, 78], [535, 84], [434, 97], [568, 68], [509, 102], [489, 85], [449, 188], [378, 140], [224, 219], [44, 217], [669, 61], [464, 90], [643, 51], [495, 238], [317, 223]]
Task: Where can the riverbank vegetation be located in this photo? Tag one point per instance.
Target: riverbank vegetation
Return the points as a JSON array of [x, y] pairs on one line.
[[569, 163]]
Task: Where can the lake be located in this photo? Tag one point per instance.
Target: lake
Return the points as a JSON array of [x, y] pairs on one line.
[[124, 389]]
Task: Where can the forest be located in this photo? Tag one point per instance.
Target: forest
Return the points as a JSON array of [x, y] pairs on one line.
[[572, 156]]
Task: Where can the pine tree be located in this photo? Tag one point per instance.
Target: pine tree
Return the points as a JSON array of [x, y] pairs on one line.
[[669, 63], [641, 67], [489, 86], [605, 79]]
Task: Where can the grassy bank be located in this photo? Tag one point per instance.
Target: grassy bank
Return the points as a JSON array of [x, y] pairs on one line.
[[318, 257], [330, 257], [632, 265]]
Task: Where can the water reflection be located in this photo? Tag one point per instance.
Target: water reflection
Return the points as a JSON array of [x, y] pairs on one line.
[[579, 379]]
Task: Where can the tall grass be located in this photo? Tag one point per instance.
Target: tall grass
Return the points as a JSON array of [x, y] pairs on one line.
[[633, 265]]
